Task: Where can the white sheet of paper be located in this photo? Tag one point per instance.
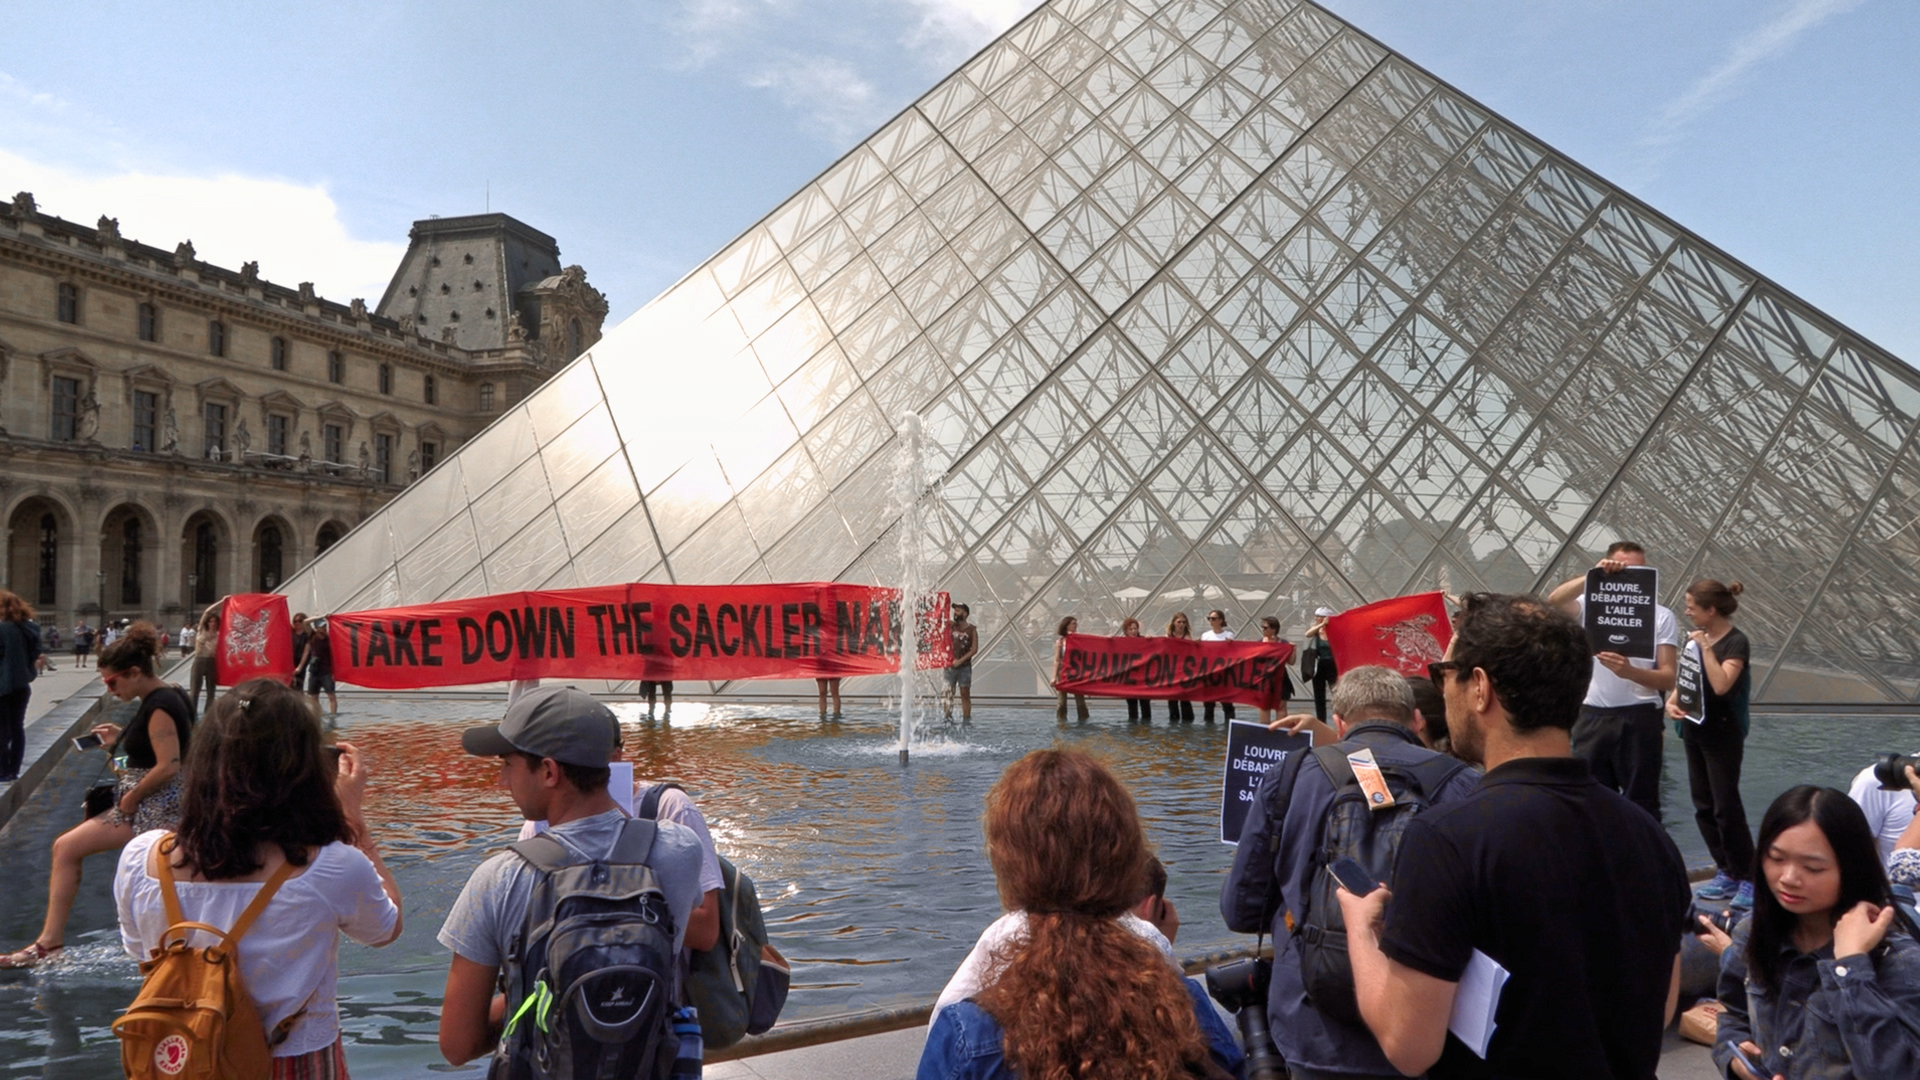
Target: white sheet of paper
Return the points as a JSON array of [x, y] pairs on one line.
[[1476, 1001], [619, 785]]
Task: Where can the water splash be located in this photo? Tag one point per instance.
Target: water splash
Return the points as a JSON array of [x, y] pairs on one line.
[[909, 487]]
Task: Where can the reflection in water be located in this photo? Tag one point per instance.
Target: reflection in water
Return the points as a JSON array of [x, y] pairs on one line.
[[873, 876]]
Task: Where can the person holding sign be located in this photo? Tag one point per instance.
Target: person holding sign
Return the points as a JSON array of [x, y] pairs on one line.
[[1068, 625], [1715, 739], [1621, 726]]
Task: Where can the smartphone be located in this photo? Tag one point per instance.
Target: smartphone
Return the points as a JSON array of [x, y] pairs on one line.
[[1752, 1065], [333, 756], [1352, 876], [88, 741]]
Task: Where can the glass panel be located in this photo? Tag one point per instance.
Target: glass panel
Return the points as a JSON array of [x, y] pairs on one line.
[[511, 503], [530, 557], [430, 569], [720, 552], [563, 399], [688, 498], [426, 504], [624, 552], [595, 502], [577, 452]]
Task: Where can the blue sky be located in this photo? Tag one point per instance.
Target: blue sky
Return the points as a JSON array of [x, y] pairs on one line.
[[645, 135]]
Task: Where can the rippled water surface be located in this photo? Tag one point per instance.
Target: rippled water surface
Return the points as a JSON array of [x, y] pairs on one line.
[[872, 876]]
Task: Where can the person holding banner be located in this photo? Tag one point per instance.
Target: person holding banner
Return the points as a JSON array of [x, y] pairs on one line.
[[1716, 743], [1068, 625], [1317, 665], [1270, 634], [1179, 712], [1217, 631], [1621, 721], [1139, 710]]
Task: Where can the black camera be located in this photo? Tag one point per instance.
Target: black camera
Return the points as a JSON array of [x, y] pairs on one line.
[[1241, 986], [1891, 770]]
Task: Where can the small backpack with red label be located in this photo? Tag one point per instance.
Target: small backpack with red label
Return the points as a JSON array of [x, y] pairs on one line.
[[192, 1018]]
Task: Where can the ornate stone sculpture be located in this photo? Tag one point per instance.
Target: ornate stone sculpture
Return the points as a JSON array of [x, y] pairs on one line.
[[23, 204], [306, 453], [170, 433], [183, 253], [357, 308], [242, 441], [366, 460], [88, 428], [250, 273], [108, 229]]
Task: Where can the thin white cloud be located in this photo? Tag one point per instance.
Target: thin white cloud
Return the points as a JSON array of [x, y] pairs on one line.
[[1749, 50], [841, 66], [293, 231], [828, 92], [951, 30]]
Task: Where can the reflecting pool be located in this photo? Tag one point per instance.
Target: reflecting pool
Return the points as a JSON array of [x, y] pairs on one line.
[[872, 876]]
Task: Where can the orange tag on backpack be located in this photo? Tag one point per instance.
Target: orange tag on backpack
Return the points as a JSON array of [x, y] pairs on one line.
[[1367, 772]]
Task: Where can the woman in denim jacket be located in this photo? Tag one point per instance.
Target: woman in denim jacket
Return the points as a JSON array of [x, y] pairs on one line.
[[1074, 992], [1823, 981]]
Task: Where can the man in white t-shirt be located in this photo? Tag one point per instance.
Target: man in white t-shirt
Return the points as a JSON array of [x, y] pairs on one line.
[[1888, 812], [1217, 631], [1622, 721]]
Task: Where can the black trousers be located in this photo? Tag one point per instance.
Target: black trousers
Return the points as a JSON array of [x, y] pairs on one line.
[[13, 730], [1226, 708], [1622, 746], [1179, 712], [1713, 778], [1320, 698], [1139, 709]]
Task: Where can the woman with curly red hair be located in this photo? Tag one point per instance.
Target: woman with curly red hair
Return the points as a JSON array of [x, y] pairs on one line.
[[1070, 991]]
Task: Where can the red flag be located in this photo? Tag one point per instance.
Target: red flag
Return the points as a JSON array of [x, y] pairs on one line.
[[1406, 634], [1247, 672], [256, 639]]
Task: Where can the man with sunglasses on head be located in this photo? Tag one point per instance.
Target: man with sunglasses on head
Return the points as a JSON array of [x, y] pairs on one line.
[[1542, 870]]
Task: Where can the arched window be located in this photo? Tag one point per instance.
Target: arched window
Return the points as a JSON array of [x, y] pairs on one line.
[[206, 558], [279, 354], [486, 397], [216, 338], [49, 561], [149, 323], [130, 562], [269, 557], [329, 536]]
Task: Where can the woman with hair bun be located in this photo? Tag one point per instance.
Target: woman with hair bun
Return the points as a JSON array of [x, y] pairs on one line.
[[1066, 985], [147, 790], [269, 810], [1717, 744]]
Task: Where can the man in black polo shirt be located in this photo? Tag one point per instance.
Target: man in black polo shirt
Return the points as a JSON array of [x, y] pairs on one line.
[[1578, 893]]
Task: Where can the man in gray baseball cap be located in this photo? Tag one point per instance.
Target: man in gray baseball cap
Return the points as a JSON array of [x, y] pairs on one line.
[[554, 744], [559, 722]]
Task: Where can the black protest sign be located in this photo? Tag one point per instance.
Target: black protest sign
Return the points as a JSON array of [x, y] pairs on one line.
[[1619, 611], [1689, 687], [1251, 751]]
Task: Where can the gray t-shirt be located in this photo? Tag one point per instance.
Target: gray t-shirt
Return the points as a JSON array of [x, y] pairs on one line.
[[493, 906]]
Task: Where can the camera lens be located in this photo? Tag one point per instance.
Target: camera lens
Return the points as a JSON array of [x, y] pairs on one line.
[[1890, 769]]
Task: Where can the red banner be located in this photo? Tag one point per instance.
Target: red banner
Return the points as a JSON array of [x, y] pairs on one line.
[[655, 632], [1406, 633], [256, 639], [1243, 672]]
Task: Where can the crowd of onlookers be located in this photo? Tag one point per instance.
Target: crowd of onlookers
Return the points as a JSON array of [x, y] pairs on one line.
[[1464, 875]]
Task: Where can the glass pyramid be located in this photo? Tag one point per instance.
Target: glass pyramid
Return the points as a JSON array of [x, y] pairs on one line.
[[1205, 304]]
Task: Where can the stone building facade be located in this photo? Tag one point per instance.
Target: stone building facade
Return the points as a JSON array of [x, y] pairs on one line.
[[172, 431]]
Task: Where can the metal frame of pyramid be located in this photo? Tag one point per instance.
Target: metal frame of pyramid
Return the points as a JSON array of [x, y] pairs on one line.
[[1206, 304]]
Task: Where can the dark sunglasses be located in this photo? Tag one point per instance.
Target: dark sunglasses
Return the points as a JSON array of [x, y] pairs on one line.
[[1437, 672]]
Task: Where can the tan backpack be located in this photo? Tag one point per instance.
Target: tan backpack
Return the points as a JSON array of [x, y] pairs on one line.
[[192, 1018]]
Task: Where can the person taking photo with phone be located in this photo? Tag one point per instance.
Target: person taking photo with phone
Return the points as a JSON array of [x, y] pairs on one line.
[[147, 786]]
